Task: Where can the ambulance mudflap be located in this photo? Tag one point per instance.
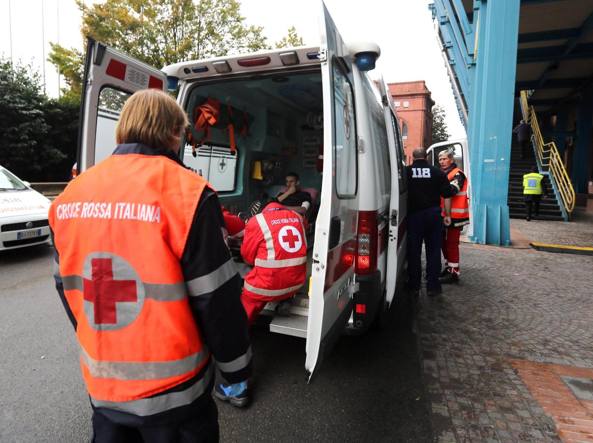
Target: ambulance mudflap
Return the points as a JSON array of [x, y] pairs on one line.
[[332, 281]]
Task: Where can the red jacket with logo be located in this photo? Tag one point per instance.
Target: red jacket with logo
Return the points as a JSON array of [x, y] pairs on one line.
[[276, 246]]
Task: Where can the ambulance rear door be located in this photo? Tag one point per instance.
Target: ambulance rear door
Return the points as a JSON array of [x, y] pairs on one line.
[[110, 77], [397, 199], [332, 283]]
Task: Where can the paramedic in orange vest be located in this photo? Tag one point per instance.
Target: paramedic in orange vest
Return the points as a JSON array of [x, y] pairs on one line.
[[276, 246], [149, 286], [456, 219]]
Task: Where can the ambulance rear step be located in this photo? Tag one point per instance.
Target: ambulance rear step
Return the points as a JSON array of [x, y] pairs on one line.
[[295, 325]]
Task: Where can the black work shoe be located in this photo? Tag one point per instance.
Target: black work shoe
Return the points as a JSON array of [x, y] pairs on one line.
[[445, 271], [434, 292], [239, 401], [451, 277]]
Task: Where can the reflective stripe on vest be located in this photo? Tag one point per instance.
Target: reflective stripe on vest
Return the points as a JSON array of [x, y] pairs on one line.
[[280, 263], [142, 370], [123, 281], [161, 292], [265, 229], [160, 403], [272, 292], [532, 184]]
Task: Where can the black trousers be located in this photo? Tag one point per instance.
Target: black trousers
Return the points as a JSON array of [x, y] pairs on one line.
[[425, 226], [532, 202], [198, 429]]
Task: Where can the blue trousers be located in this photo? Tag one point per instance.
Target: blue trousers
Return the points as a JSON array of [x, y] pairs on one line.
[[425, 226]]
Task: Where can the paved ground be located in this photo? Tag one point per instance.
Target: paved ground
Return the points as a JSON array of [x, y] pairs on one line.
[[369, 388], [508, 353]]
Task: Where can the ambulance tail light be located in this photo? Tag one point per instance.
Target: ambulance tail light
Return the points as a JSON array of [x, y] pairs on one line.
[[366, 248]]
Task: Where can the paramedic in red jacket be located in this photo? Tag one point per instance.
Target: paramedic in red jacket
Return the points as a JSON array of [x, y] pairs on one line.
[[276, 246]]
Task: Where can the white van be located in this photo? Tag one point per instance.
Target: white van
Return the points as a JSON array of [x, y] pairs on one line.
[[311, 110]]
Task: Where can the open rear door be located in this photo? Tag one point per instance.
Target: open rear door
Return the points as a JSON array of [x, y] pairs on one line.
[[332, 276], [394, 244], [109, 79]]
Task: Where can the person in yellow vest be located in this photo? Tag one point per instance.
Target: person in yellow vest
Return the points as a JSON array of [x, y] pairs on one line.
[[455, 219], [533, 189], [148, 283]]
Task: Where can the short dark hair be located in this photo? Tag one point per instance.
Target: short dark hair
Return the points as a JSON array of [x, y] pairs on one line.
[[293, 174], [534, 169]]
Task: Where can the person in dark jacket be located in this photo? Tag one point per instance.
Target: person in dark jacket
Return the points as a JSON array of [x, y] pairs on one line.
[[426, 185], [145, 276]]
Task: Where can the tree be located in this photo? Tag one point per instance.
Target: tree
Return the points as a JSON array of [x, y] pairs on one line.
[[440, 132], [160, 32], [292, 39], [30, 125]]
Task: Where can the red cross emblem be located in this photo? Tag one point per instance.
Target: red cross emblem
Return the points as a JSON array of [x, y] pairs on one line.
[[104, 292], [290, 238]]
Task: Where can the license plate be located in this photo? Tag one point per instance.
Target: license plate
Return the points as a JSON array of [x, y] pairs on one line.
[[28, 234]]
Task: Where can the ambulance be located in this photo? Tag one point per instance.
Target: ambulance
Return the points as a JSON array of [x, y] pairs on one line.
[[255, 117]]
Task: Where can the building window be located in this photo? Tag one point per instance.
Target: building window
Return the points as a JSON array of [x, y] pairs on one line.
[[406, 104], [397, 104], [404, 130]]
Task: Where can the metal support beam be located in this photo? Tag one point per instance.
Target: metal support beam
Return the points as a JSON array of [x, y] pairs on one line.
[[454, 43], [554, 53], [539, 2], [581, 158], [490, 118], [554, 34], [555, 83]]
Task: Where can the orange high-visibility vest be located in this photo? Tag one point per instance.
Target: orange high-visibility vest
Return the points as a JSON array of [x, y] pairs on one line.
[[120, 230], [460, 201]]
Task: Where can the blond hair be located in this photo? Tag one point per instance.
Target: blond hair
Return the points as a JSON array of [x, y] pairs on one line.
[[151, 117]]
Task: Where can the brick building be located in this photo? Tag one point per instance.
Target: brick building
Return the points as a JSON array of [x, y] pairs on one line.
[[413, 104]]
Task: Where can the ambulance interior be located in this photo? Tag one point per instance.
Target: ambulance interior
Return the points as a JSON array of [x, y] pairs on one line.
[[277, 126]]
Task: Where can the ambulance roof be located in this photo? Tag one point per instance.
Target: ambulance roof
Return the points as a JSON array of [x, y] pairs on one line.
[[242, 63]]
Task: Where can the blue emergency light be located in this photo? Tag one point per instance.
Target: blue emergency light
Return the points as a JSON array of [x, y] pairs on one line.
[[365, 61], [172, 83]]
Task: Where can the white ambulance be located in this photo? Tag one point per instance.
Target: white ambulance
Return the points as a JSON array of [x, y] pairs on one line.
[[255, 117]]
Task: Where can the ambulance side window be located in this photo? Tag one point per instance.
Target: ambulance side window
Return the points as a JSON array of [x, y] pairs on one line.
[[401, 157], [344, 135]]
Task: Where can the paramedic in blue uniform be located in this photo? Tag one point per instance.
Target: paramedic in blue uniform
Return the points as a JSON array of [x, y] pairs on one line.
[[426, 185]]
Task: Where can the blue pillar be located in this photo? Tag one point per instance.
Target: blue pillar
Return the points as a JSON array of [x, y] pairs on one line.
[[581, 159], [491, 118]]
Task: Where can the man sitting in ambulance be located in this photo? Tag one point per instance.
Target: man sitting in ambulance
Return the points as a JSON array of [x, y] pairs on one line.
[[275, 245], [294, 197]]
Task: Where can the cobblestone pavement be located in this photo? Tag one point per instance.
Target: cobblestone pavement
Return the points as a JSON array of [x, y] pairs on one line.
[[498, 349]]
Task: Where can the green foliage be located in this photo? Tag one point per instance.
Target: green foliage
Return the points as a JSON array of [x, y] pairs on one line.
[[35, 133], [291, 40], [160, 32], [440, 131]]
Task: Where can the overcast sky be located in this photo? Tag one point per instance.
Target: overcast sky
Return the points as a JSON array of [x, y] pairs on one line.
[[403, 28]]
